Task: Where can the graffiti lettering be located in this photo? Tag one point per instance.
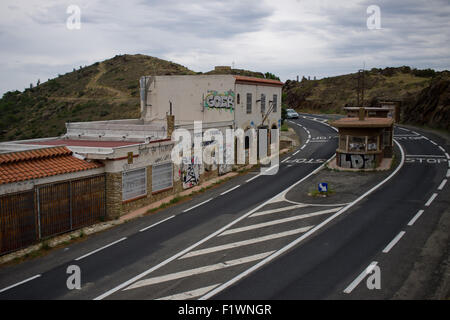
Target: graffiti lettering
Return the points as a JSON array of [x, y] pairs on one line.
[[222, 100], [358, 161]]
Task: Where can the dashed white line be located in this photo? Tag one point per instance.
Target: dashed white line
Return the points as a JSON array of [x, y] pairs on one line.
[[229, 190], [196, 271], [285, 159], [296, 152], [197, 205], [245, 242], [448, 173], [360, 278], [394, 242], [417, 216], [431, 199], [442, 185], [19, 283], [190, 294], [155, 224], [99, 249]]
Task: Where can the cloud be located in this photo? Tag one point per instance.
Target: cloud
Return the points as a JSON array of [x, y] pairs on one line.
[[286, 37]]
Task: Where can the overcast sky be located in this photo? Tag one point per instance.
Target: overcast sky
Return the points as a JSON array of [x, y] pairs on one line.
[[286, 37]]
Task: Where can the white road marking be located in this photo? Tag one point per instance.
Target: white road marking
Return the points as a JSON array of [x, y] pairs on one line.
[[442, 149], [199, 270], [303, 147], [99, 249], [417, 216], [360, 278], [190, 294], [433, 142], [229, 190], [307, 141], [19, 283], [278, 221], [442, 185], [296, 152], [197, 205], [307, 234], [285, 159], [447, 155], [155, 224], [448, 173], [246, 242], [261, 213], [394, 242], [423, 156], [431, 199]]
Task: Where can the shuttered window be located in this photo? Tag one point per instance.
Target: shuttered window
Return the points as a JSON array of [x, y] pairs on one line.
[[134, 183], [275, 103], [263, 103], [162, 176], [249, 103]]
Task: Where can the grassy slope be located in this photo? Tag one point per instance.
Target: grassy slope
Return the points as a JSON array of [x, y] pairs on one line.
[[106, 90]]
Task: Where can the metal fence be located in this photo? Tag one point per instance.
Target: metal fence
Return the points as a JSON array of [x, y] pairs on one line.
[[49, 210]]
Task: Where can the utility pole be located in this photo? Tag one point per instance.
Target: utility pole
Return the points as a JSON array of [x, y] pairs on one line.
[[360, 88]]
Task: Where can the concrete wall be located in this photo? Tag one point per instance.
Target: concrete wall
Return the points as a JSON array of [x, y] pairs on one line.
[[188, 95]]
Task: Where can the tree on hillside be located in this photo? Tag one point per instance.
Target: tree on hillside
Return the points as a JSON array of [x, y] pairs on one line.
[[269, 75]]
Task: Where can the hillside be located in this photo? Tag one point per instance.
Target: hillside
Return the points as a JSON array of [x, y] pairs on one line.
[[330, 95], [102, 91]]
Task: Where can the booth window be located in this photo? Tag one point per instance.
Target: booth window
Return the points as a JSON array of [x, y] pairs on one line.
[[372, 143], [343, 142], [357, 144]]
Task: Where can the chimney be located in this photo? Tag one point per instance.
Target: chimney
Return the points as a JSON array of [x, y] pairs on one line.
[[362, 114], [170, 125]]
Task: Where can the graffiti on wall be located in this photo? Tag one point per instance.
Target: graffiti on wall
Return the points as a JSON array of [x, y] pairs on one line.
[[218, 100], [190, 173], [358, 161]]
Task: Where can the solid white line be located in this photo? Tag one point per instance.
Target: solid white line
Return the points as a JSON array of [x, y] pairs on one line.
[[245, 242], [197, 205], [212, 235], [155, 224], [423, 156], [261, 213], [99, 249], [433, 142], [190, 294], [442, 185], [19, 283], [449, 163], [278, 221], [229, 190], [296, 152], [443, 150], [447, 155], [199, 270], [359, 278], [448, 173], [431, 199], [417, 216], [394, 242], [306, 235]]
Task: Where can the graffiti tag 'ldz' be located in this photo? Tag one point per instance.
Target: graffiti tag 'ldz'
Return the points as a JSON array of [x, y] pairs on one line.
[[357, 161], [220, 100]]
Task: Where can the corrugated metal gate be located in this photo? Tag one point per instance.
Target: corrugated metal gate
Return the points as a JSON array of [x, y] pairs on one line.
[[49, 210]]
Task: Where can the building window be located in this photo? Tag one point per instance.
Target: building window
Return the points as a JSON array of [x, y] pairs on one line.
[[275, 103], [134, 183], [249, 103], [372, 143], [343, 142], [357, 144], [162, 176], [238, 98], [263, 103]]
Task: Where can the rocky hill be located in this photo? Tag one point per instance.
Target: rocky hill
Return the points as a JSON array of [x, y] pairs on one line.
[[424, 93]]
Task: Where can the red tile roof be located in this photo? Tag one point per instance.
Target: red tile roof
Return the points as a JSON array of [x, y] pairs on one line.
[[40, 163], [258, 81]]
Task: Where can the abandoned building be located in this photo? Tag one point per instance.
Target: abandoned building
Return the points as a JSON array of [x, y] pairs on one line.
[[363, 141]]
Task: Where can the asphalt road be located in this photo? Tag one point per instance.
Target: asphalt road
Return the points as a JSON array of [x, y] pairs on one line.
[[140, 251], [245, 240]]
